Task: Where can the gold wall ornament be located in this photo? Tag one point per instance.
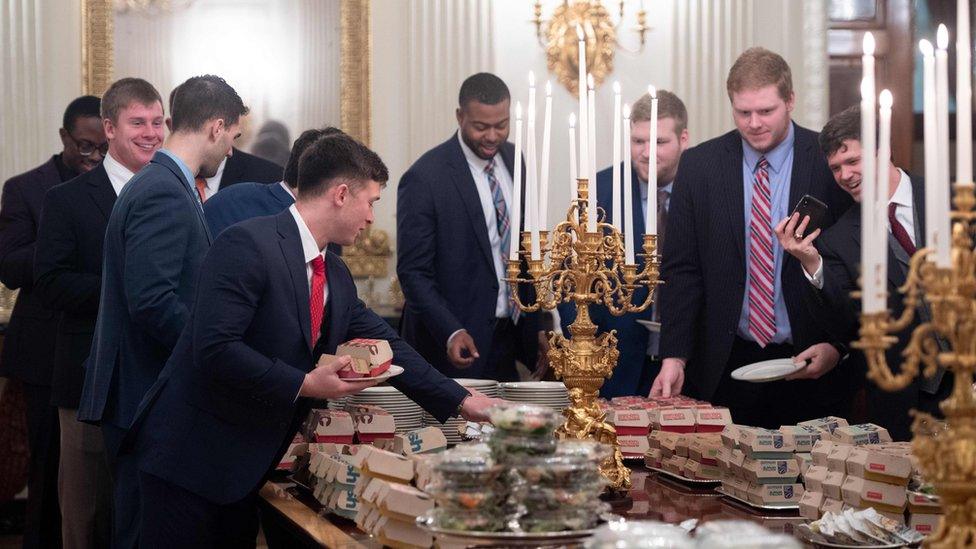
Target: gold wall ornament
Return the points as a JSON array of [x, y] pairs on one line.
[[946, 450], [97, 43], [558, 37], [369, 255], [587, 268], [355, 54]]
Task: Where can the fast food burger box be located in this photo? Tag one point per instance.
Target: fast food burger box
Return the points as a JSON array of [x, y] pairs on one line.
[[820, 450], [334, 426], [722, 459], [675, 420], [340, 470], [762, 443], [370, 357], [737, 486], [700, 471], [770, 471], [730, 436], [669, 444], [652, 458], [626, 401], [712, 420], [403, 502], [633, 445], [871, 464], [803, 461], [833, 483], [343, 500], [810, 504], [862, 493], [372, 423], [924, 504], [924, 523], [865, 433], [401, 534], [630, 422], [420, 441], [387, 465], [765, 494], [368, 488], [804, 436], [681, 445], [372, 520], [674, 464], [295, 451], [837, 457], [828, 423], [832, 505], [736, 458], [705, 450], [814, 478]]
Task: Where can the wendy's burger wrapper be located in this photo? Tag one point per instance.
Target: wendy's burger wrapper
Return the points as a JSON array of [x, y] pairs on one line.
[[370, 357], [372, 423]]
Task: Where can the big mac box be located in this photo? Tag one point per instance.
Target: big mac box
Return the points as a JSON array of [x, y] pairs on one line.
[[871, 464], [712, 420], [862, 493], [296, 450], [420, 441], [767, 494], [804, 436], [829, 423], [762, 443], [370, 357], [630, 422], [865, 433], [770, 471], [334, 426], [810, 504], [675, 420], [372, 423], [387, 465]]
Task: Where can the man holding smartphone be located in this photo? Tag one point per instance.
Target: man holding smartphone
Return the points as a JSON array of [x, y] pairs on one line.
[[833, 266]]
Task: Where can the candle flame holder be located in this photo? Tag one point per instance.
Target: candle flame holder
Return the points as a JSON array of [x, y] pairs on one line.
[[587, 268], [946, 451]]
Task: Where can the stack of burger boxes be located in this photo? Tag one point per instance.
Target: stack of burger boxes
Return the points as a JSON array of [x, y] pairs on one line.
[[687, 442], [759, 465], [632, 425], [373, 425], [388, 504]]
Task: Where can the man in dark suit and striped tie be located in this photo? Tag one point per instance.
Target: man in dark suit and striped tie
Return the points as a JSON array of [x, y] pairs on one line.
[[731, 297]]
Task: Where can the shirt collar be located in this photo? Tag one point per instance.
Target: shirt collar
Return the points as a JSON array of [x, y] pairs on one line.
[[309, 248], [213, 183], [643, 189], [903, 193], [776, 157], [182, 165], [474, 160], [287, 188], [118, 174]]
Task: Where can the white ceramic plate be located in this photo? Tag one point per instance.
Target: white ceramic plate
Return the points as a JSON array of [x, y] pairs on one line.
[[767, 370], [394, 370]]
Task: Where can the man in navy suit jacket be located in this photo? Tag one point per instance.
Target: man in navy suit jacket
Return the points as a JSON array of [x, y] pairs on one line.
[[452, 245], [154, 244], [639, 362], [717, 292], [244, 372]]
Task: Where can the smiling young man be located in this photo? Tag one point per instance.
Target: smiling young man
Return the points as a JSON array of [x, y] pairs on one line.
[[453, 217], [731, 297], [155, 241]]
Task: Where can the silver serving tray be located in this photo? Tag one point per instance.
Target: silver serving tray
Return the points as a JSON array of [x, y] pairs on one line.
[[511, 539], [801, 532], [698, 483], [769, 507]]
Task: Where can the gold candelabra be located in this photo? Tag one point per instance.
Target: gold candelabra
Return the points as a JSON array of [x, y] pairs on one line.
[[588, 268], [946, 451]]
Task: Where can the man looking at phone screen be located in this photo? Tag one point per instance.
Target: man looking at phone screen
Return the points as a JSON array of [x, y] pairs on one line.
[[831, 263]]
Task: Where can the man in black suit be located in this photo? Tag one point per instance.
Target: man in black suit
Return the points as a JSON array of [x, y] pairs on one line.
[[155, 241], [68, 279], [271, 301], [452, 245], [833, 268], [730, 296], [28, 353]]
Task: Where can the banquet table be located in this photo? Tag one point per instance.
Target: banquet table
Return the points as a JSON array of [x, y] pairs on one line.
[[653, 496]]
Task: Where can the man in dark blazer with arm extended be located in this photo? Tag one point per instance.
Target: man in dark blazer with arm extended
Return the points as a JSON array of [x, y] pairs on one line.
[[154, 244], [453, 217], [28, 353], [244, 372], [832, 268], [731, 297]]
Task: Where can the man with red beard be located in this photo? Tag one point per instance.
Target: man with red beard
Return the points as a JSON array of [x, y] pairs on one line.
[[28, 353], [68, 269]]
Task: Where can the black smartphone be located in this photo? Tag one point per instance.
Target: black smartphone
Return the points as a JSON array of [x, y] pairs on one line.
[[815, 209]]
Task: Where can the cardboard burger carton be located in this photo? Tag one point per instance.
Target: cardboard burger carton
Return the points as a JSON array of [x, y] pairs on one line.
[[831, 505], [369, 488], [803, 461], [675, 420], [705, 450], [669, 444], [403, 502], [924, 504], [652, 458], [400, 534], [766, 443], [770, 471], [871, 464], [820, 450], [829, 423], [633, 445], [334, 426], [370, 357], [630, 422], [862, 493], [343, 500], [341, 471], [387, 465], [696, 470], [833, 483], [738, 487], [295, 451], [372, 423], [814, 478], [736, 458], [766, 494], [712, 420], [730, 436], [810, 504], [674, 464], [924, 523], [804, 436], [837, 457], [865, 433], [898, 516], [420, 441]]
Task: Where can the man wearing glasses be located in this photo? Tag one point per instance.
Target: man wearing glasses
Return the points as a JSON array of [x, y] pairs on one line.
[[28, 352]]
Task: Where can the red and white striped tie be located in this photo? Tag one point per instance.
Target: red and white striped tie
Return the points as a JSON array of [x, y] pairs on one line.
[[762, 315]]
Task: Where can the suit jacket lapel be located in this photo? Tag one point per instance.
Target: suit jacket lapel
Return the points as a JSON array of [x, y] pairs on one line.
[[918, 207], [281, 195], [101, 191], [801, 176], [734, 195], [469, 196], [897, 266], [232, 170], [291, 249]]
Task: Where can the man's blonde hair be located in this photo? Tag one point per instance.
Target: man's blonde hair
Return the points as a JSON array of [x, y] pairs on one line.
[[757, 68], [669, 105]]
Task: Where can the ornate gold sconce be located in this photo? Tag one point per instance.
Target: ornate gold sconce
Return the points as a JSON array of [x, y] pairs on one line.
[[558, 38]]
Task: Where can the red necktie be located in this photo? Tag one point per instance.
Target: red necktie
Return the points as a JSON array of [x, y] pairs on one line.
[[899, 232], [762, 316], [202, 189], [316, 300]]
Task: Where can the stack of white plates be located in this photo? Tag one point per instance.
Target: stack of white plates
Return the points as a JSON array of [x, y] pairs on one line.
[[407, 414], [544, 393], [450, 429]]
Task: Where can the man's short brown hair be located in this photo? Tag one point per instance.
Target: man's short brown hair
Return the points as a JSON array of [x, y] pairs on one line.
[[669, 105], [757, 68], [338, 158], [843, 126], [126, 91]]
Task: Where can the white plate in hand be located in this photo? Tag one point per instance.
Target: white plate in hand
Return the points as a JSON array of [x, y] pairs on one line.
[[767, 370], [394, 370], [650, 325]]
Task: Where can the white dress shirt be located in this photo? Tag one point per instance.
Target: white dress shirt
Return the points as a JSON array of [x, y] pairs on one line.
[[118, 175], [310, 249], [213, 183]]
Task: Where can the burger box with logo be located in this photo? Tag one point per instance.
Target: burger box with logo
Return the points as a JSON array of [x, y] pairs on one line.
[[652, 458], [343, 502], [737, 486], [669, 445], [814, 477], [736, 458], [865, 433], [810, 504], [368, 488], [372, 423], [712, 420], [730, 436], [837, 458], [674, 464], [340, 470], [334, 426], [861, 493], [924, 523], [295, 451], [630, 422], [387, 465], [761, 443], [399, 534], [833, 483], [402, 502], [765, 494], [879, 465], [804, 436], [420, 441], [723, 459], [705, 450], [829, 423], [633, 445], [820, 450], [770, 471], [803, 461], [370, 357], [924, 504], [701, 471], [832, 505], [675, 420]]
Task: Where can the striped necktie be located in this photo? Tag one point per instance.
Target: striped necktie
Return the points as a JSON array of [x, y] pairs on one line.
[[762, 316], [501, 223]]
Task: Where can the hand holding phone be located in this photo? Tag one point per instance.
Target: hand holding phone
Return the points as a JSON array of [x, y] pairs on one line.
[[816, 210]]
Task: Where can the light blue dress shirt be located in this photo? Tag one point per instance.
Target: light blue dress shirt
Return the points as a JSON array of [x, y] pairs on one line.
[[780, 174], [186, 171]]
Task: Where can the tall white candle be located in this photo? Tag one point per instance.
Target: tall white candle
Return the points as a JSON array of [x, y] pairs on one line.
[[943, 237], [650, 217], [591, 153], [515, 215], [884, 167], [531, 184], [583, 156], [870, 257], [628, 196], [544, 178], [931, 141], [616, 157], [573, 192], [964, 95]]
